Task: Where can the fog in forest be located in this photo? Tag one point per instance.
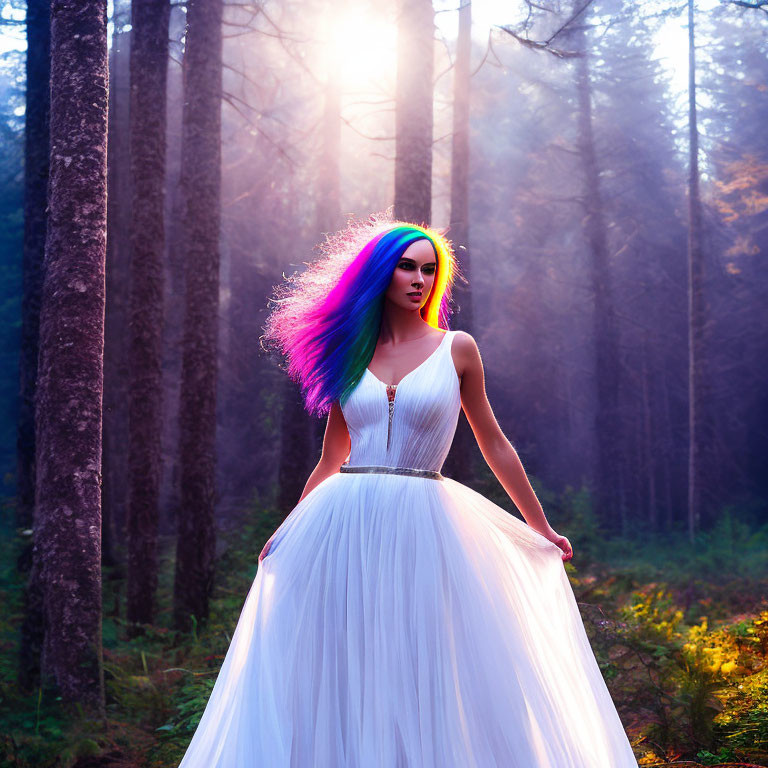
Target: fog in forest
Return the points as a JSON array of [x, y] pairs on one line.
[[576, 238], [538, 181], [601, 168]]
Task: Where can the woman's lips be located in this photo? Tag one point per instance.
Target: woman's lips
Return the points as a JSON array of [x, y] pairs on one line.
[[416, 294]]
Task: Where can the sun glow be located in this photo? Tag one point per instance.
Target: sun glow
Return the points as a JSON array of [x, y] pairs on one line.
[[363, 48]]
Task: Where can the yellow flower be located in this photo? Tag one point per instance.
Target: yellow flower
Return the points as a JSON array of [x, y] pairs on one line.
[[728, 667]]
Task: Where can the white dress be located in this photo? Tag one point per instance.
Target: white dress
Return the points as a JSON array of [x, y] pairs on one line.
[[407, 621]]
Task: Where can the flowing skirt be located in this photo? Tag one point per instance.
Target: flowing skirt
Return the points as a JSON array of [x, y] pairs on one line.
[[406, 622]]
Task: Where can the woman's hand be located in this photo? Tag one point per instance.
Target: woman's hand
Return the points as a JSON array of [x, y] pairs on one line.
[[563, 543]]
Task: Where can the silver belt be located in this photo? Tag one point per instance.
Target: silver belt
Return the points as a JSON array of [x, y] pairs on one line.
[[410, 471]]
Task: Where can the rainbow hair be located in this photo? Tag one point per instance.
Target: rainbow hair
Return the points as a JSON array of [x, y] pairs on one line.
[[327, 319]]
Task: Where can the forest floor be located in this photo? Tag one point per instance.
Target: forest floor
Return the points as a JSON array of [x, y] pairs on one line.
[[680, 633]]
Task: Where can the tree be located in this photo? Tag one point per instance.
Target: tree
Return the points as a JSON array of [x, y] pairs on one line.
[[69, 393], [459, 225], [149, 65], [458, 462], [114, 486], [642, 182], [696, 306], [607, 425], [736, 236], [36, 145], [201, 191], [36, 141], [413, 111]]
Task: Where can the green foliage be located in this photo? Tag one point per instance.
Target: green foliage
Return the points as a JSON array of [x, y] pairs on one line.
[[573, 515], [682, 648], [156, 684], [724, 755], [651, 614], [703, 687], [732, 549], [190, 702]]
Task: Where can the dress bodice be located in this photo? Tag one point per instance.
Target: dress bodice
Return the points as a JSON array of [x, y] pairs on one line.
[[425, 412]]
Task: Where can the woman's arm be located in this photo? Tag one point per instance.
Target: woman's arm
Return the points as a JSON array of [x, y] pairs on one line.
[[496, 449], [336, 445]]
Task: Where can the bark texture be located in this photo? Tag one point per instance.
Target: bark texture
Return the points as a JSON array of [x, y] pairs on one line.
[[201, 191], [149, 66], [69, 394]]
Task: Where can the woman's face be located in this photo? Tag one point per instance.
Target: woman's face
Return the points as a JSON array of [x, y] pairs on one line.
[[414, 274]]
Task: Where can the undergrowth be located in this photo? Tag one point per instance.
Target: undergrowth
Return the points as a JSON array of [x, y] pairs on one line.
[[680, 633]]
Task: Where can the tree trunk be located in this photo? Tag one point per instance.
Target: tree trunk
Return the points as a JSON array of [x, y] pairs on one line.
[[458, 463], [647, 445], [295, 449], [114, 488], [459, 228], [607, 426], [36, 144], [667, 440], [201, 190], [69, 395], [696, 310], [413, 111], [173, 324], [149, 66]]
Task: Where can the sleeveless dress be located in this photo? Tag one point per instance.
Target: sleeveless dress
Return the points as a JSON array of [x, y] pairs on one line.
[[407, 621]]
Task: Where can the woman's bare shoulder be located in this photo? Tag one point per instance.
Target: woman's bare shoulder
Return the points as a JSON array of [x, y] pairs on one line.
[[465, 354], [464, 343]]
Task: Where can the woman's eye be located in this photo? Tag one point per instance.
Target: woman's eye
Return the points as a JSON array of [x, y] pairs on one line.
[[426, 270]]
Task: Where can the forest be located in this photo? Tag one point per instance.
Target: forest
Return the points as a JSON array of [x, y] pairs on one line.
[[601, 168]]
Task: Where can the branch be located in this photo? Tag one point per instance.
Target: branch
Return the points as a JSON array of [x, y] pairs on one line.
[[571, 20], [492, 50], [547, 44], [363, 135], [540, 45], [755, 5], [485, 56], [227, 98], [242, 74]]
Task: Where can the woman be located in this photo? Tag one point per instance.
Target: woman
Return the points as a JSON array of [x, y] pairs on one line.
[[399, 619]]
